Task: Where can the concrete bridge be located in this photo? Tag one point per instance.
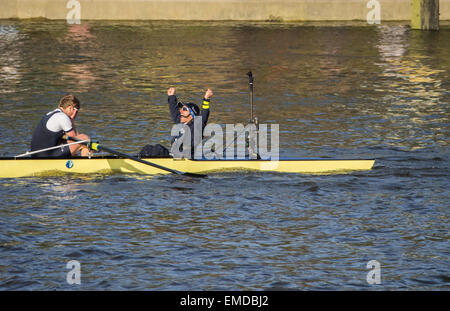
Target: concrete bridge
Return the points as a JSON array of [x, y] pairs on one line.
[[253, 10]]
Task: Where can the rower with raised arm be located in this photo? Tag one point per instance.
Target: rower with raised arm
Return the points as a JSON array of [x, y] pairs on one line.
[[185, 113], [53, 126], [181, 113]]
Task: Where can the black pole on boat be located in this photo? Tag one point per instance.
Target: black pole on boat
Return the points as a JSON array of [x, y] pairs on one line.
[[253, 153], [98, 147], [250, 87]]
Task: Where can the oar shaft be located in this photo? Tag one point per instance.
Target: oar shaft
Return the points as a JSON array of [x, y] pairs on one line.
[[120, 154], [98, 147]]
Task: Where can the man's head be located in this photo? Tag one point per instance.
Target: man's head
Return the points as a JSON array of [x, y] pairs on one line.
[[188, 111], [70, 105]]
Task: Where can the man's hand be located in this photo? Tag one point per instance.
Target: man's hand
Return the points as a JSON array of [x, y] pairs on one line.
[[171, 91], [208, 94]]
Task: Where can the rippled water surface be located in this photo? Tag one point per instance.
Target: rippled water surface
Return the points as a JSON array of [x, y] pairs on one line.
[[345, 91]]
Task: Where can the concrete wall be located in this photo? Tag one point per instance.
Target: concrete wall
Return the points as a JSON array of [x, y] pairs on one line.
[[285, 10]]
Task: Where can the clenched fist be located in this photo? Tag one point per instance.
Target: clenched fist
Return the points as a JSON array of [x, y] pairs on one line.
[[208, 94], [171, 91]]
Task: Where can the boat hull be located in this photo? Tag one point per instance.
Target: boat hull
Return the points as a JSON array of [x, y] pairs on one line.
[[11, 168]]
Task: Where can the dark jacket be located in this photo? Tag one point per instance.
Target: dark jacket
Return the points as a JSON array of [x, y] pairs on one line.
[[175, 113]]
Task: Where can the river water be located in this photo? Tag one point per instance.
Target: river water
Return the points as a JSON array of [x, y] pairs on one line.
[[336, 90]]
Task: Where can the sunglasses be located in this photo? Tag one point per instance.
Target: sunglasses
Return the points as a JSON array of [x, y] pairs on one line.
[[184, 108]]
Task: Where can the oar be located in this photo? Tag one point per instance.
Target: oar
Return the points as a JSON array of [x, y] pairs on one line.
[[98, 147], [50, 148]]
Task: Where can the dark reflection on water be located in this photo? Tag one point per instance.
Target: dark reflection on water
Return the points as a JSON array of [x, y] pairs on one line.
[[348, 91]]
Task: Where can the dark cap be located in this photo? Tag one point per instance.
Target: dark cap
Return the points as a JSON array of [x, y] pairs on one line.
[[192, 107]]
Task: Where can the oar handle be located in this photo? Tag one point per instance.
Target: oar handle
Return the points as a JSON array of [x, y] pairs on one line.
[[89, 144]]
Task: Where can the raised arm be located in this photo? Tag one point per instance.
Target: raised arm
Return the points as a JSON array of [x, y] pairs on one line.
[[174, 111], [205, 107]]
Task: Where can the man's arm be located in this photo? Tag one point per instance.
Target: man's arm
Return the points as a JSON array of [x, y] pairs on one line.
[[174, 111], [205, 107]]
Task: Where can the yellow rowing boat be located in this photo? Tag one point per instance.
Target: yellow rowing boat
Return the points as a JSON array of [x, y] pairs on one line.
[[22, 167]]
